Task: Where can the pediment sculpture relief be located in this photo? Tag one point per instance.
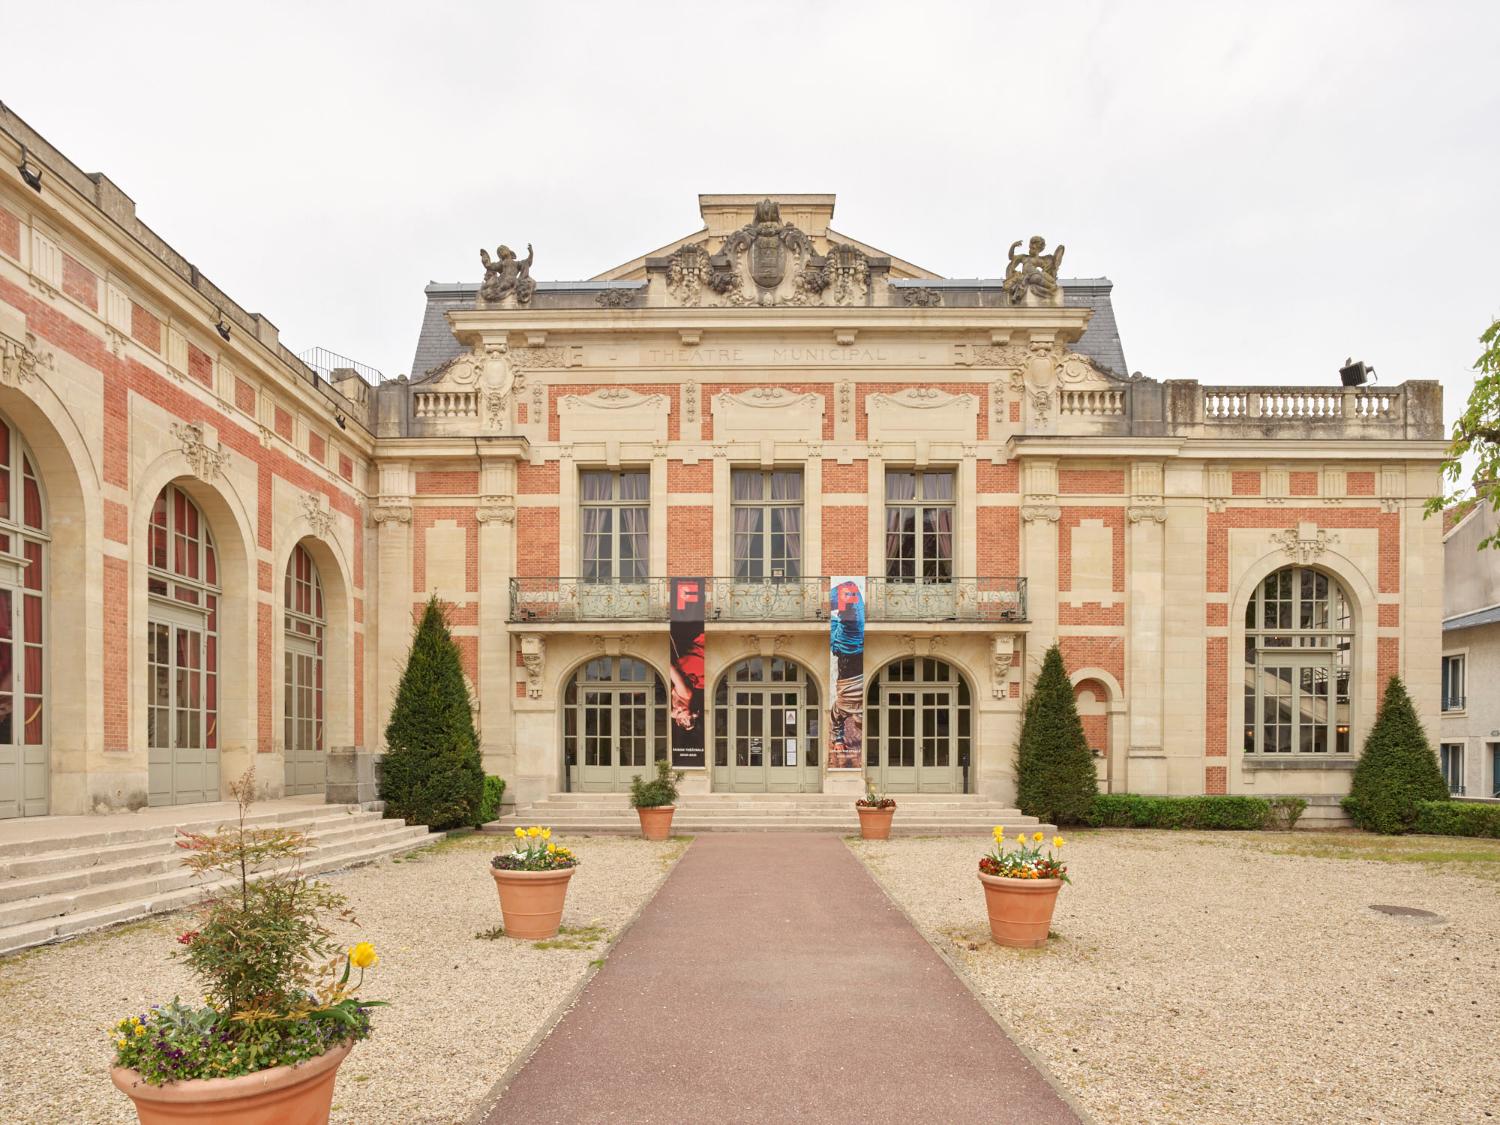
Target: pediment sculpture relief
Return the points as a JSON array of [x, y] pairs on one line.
[[477, 383], [768, 262]]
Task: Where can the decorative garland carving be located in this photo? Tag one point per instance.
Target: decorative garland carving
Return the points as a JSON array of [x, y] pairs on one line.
[[615, 298], [920, 297], [1303, 544], [319, 518], [207, 463], [21, 363]]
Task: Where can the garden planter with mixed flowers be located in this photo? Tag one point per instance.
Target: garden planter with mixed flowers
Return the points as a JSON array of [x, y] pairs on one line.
[[280, 1013], [876, 811], [1020, 889], [655, 801], [532, 882]]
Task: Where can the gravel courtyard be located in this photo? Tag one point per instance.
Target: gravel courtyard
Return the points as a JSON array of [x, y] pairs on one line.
[[462, 1008], [1240, 977]]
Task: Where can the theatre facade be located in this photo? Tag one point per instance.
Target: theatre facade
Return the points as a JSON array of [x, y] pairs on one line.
[[767, 501]]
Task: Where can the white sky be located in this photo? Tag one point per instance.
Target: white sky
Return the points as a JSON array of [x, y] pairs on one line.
[[1271, 186]]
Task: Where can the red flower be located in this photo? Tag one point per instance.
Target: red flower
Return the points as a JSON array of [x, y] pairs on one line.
[[187, 938]]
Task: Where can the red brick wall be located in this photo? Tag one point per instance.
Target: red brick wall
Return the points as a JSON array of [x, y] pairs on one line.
[[422, 520], [1387, 661], [1216, 614], [538, 480], [690, 540], [283, 423], [844, 540], [1390, 616], [1388, 524], [265, 615], [10, 235], [346, 466], [1360, 484], [998, 478], [79, 282], [1304, 484], [536, 543], [1090, 482], [1105, 653], [1245, 484], [317, 448], [1216, 780], [690, 478], [999, 546], [1216, 668], [450, 483], [244, 396], [1114, 519], [145, 328], [200, 366], [116, 655], [854, 477], [1095, 727]]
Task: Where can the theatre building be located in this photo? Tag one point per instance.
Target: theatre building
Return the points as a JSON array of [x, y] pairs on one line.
[[767, 500]]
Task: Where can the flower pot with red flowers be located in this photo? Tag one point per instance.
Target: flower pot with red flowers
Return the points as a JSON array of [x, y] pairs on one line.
[[532, 882], [1020, 888], [655, 801], [281, 1012], [876, 811]]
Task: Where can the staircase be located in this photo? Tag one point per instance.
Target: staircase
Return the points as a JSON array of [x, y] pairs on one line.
[[55, 887], [917, 814]]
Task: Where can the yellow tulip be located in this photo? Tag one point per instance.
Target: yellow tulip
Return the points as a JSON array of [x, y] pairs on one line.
[[1021, 838], [362, 956], [520, 833], [546, 833], [533, 832], [1057, 841], [551, 848], [1037, 836]]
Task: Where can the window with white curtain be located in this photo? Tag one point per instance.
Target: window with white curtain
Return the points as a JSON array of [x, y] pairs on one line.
[[616, 524], [919, 526], [767, 524]]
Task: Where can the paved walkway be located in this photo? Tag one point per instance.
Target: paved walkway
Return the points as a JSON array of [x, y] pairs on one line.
[[772, 980]]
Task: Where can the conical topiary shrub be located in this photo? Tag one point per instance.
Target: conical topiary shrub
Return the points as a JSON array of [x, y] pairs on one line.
[[431, 773], [1055, 777], [1396, 770]]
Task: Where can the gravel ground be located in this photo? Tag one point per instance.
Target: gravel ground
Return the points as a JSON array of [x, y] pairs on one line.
[[462, 1008], [1239, 977]]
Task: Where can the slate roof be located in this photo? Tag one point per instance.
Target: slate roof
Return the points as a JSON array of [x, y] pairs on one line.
[[436, 345], [1469, 620]]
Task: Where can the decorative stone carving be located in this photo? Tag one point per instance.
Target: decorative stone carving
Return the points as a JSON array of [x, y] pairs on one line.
[[21, 363], [507, 279], [1031, 278], [768, 414], [615, 298], [1305, 542], [846, 402], [534, 660], [991, 355], [390, 513], [1141, 513], [206, 461], [613, 414], [495, 403], [922, 412], [539, 357], [1002, 656], [920, 297], [1041, 511], [497, 509], [690, 404], [319, 518]]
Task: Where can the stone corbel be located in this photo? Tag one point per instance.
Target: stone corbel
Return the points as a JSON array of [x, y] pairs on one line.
[[390, 511], [207, 461], [534, 660], [1143, 512], [500, 509], [1002, 656], [1041, 508]]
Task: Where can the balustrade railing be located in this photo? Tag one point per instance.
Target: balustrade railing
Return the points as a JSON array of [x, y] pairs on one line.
[[445, 404], [1300, 404], [571, 600]]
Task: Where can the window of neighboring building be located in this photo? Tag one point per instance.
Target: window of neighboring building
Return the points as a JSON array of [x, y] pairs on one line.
[[616, 511], [1451, 757], [1299, 647], [1495, 769], [919, 526], [767, 524], [1453, 683]]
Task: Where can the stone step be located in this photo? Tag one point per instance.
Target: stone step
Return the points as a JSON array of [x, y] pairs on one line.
[[540, 816], [14, 938], [75, 871], [686, 826]]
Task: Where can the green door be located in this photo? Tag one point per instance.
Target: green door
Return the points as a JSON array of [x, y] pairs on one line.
[[614, 724], [23, 757], [306, 764], [766, 729], [918, 728], [183, 759]]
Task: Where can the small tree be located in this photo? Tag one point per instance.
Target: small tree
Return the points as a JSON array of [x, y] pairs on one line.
[[1396, 770], [1055, 777], [1474, 449], [431, 773]]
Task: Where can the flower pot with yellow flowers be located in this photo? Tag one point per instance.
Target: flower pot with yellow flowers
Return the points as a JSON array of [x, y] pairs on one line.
[[281, 1011], [1020, 888], [532, 882]]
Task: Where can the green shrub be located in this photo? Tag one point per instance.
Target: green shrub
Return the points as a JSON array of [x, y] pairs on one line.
[[1457, 818], [1285, 812], [489, 801], [1397, 770], [1055, 777], [657, 793], [431, 773], [1133, 810]]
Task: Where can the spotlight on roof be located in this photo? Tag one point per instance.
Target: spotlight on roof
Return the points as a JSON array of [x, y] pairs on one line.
[[1355, 373], [30, 171], [221, 326]]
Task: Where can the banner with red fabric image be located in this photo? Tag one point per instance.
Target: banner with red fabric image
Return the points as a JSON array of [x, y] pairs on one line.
[[686, 633]]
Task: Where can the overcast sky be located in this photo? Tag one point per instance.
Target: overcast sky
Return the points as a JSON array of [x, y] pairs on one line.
[[1271, 186]]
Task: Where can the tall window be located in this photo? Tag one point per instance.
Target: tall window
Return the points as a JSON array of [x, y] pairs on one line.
[[182, 643], [1453, 683], [918, 726], [616, 509], [919, 526], [1451, 758], [303, 623], [767, 514], [1299, 646], [1495, 769], [23, 537], [614, 722]]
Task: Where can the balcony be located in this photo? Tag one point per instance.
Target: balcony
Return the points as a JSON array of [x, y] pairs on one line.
[[548, 601]]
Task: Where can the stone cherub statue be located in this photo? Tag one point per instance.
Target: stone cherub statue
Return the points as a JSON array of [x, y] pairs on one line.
[[505, 274], [1033, 274]]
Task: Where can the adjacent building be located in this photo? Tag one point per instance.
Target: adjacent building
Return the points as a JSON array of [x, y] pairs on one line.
[[1469, 731], [767, 500]]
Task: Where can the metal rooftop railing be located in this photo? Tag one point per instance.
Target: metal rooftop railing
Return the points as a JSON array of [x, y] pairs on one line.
[[325, 362]]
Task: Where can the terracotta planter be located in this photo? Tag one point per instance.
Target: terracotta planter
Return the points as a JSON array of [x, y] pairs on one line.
[[532, 901], [875, 824], [1020, 909], [283, 1095], [656, 824]]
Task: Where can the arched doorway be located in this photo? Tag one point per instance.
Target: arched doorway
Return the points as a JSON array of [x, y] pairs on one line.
[[1091, 698], [23, 591], [304, 629], [182, 653], [766, 728], [918, 727], [614, 723]]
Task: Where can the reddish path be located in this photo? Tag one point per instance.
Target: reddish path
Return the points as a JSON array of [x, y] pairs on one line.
[[772, 980]]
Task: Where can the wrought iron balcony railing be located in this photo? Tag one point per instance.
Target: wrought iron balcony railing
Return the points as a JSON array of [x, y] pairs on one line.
[[979, 600]]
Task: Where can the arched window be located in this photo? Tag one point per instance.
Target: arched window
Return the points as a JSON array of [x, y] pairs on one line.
[[918, 727], [182, 653], [614, 723], [1299, 651], [302, 682], [23, 590], [766, 728]]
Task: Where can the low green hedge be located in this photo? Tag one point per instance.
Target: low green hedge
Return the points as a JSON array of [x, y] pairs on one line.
[[1132, 810], [489, 802], [1457, 818]]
